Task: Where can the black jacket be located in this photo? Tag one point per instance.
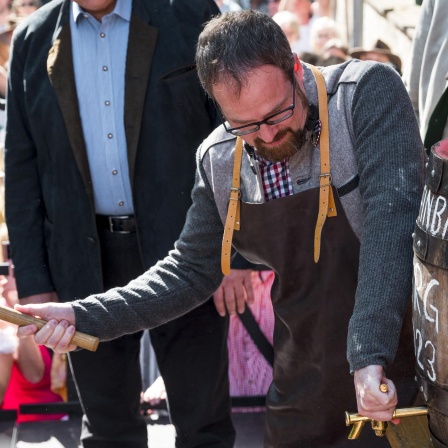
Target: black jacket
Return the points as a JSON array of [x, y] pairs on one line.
[[49, 199]]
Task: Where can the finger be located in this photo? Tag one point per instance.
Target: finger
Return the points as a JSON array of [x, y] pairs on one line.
[[239, 292], [241, 303], [45, 332], [58, 311], [391, 390], [230, 299], [374, 395], [42, 311], [218, 300], [64, 345], [58, 332], [26, 330], [26, 309], [374, 402], [56, 336], [249, 291]]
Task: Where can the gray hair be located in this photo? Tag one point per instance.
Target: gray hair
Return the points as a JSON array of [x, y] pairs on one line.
[[235, 43]]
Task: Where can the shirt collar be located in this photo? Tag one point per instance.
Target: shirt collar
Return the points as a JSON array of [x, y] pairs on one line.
[[123, 9]]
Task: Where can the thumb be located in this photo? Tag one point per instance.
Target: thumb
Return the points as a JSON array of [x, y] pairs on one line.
[[47, 311], [31, 310]]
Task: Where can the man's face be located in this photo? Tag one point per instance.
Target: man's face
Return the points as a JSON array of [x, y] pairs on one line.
[[98, 8], [265, 92]]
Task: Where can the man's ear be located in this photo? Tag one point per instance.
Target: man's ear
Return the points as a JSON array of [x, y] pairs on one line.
[[298, 69]]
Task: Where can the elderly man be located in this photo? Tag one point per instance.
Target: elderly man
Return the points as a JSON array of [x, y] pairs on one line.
[[323, 170], [104, 115]]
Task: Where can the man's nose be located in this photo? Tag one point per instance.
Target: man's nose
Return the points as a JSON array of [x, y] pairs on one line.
[[268, 132]]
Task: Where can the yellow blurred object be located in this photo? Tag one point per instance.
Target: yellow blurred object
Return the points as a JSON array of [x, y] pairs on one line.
[[59, 375]]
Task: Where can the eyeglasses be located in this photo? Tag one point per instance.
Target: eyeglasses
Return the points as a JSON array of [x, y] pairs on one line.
[[276, 118], [24, 4]]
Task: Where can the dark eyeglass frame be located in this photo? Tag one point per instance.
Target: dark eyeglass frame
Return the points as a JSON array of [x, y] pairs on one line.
[[254, 127]]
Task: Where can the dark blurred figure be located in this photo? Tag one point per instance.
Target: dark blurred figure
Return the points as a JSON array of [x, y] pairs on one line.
[[23, 8], [333, 52], [273, 7], [228, 5], [380, 52]]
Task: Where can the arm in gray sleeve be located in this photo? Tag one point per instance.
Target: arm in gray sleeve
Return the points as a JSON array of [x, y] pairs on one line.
[[390, 159], [187, 277]]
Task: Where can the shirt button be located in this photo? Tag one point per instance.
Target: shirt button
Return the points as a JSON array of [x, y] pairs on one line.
[[121, 203], [109, 135], [114, 172], [102, 35], [105, 69], [107, 103]]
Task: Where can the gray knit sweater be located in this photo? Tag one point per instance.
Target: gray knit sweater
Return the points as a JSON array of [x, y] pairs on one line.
[[373, 134]]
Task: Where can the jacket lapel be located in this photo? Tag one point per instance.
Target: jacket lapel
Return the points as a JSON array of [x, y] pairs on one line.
[[142, 41], [61, 73]]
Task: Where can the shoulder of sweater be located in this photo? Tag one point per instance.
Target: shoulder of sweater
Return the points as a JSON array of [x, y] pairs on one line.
[[349, 72], [218, 137]]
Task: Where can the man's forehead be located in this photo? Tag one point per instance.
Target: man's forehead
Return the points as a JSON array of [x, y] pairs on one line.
[[230, 85]]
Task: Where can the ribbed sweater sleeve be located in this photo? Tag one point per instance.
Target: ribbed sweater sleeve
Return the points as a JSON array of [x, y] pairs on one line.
[[175, 285], [390, 160]]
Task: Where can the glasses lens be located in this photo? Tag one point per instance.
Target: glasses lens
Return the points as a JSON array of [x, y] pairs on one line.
[[241, 131], [282, 116], [244, 131]]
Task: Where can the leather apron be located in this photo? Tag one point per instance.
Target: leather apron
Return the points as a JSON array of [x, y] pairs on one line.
[[312, 302]]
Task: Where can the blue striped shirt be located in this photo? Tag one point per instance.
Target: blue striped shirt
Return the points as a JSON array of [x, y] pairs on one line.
[[99, 58]]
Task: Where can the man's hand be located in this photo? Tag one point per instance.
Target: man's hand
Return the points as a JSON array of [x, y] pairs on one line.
[[40, 298], [59, 330], [235, 290], [371, 401]]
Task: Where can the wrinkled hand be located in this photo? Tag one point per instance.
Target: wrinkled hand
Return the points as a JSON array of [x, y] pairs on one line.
[[234, 292], [59, 330], [371, 401]]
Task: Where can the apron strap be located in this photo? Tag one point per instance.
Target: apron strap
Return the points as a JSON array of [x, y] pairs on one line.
[[327, 205], [233, 212], [259, 339]]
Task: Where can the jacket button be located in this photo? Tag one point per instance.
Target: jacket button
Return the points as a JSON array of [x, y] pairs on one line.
[[91, 240]]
